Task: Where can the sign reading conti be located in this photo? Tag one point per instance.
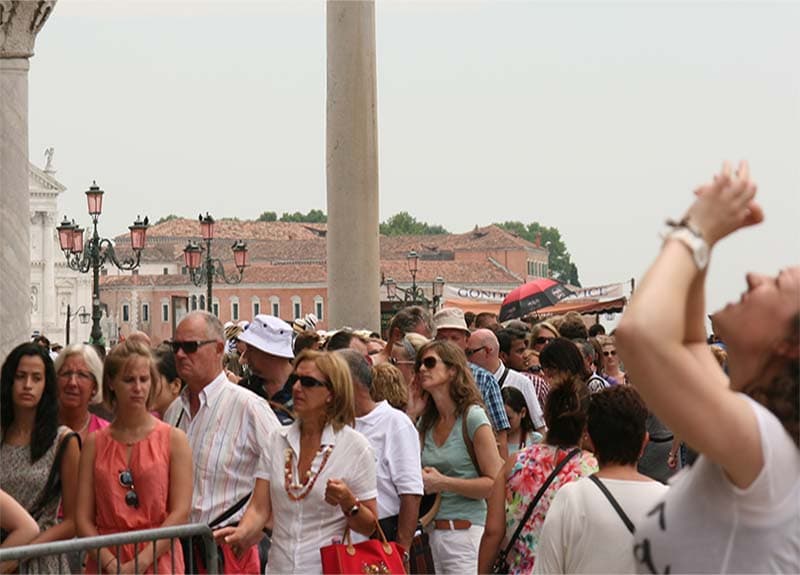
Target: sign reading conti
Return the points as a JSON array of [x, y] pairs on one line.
[[473, 294]]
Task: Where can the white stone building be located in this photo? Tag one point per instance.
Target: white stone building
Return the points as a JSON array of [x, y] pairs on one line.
[[53, 284]]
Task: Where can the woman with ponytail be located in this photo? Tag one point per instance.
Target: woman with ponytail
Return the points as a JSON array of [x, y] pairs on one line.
[[527, 474]]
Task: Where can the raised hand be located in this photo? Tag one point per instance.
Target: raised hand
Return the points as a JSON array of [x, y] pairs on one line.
[[726, 204]]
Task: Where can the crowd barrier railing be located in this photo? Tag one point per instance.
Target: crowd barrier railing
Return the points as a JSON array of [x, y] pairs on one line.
[[28, 555]]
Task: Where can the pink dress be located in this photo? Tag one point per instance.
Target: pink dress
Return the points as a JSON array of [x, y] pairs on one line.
[[149, 466]]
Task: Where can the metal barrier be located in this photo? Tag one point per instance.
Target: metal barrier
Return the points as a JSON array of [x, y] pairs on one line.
[[26, 554]]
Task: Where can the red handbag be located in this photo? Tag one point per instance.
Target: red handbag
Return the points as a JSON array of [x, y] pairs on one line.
[[371, 557]]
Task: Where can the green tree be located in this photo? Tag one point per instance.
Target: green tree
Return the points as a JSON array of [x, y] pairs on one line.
[[268, 217], [561, 265], [312, 217], [166, 219], [404, 224]]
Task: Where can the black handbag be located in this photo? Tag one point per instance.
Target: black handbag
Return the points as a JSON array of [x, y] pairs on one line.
[[500, 565]]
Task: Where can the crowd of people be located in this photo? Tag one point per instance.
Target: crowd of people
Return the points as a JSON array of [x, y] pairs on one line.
[[544, 447]]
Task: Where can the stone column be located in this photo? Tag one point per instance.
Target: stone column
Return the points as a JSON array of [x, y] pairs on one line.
[[49, 303], [20, 21], [352, 166]]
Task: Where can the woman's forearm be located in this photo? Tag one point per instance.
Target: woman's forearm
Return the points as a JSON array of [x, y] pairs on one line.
[[58, 532], [476, 488]]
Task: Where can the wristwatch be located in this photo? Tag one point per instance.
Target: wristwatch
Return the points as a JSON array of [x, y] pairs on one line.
[[353, 511], [694, 241]]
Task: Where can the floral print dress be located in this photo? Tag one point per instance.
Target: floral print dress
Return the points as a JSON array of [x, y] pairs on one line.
[[531, 469]]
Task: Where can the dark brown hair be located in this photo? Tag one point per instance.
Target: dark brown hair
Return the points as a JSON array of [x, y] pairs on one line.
[[565, 411], [616, 424], [780, 393]]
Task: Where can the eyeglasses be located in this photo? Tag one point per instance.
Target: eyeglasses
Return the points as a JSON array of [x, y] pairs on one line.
[[429, 362], [470, 352], [541, 340], [608, 353], [189, 347], [395, 361], [81, 375], [307, 381], [535, 368], [126, 480]]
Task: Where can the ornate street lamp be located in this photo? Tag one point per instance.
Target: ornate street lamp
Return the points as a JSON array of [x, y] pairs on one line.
[[203, 271], [415, 294], [96, 252]]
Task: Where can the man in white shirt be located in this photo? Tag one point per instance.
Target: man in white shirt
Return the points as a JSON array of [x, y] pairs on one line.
[[397, 451], [226, 424], [483, 349]]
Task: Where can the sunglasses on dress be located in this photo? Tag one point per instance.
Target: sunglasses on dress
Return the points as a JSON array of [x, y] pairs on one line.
[[126, 480], [307, 381]]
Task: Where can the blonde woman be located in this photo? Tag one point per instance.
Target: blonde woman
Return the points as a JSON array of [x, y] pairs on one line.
[[317, 474]]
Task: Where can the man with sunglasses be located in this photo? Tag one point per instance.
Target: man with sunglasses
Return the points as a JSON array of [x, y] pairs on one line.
[[451, 326], [227, 427]]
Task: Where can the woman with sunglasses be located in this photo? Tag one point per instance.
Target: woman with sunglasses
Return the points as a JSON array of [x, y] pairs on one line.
[[459, 455], [79, 373], [136, 473], [611, 367], [735, 510], [317, 476], [32, 443], [525, 475], [541, 334]]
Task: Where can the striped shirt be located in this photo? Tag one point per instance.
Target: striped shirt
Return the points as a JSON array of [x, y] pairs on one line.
[[227, 436]]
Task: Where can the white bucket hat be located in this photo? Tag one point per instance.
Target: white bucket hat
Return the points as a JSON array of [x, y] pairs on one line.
[[269, 334]]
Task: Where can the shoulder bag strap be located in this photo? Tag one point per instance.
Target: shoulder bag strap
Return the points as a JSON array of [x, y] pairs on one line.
[[503, 377], [504, 553], [228, 513], [53, 483], [622, 515], [468, 441]]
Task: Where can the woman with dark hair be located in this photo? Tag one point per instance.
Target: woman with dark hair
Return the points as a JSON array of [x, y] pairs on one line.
[[169, 384], [736, 509], [136, 473], [583, 532], [317, 476], [522, 432], [525, 475], [459, 455], [38, 458], [561, 359]]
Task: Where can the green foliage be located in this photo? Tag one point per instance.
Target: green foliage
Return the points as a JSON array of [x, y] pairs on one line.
[[312, 217], [560, 264], [267, 217], [404, 224], [166, 219]]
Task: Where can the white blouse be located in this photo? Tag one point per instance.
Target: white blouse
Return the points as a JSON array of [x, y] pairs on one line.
[[301, 528]]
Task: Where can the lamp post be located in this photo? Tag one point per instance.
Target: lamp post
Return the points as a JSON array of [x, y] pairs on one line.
[[97, 251], [81, 313], [415, 294], [203, 271]]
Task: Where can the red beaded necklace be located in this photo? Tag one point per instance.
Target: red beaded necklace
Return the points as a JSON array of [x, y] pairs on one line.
[[297, 491]]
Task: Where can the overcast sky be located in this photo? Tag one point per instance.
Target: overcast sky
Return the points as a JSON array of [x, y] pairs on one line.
[[597, 118]]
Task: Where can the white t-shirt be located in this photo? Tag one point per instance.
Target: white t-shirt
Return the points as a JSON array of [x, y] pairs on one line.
[[395, 441], [708, 525], [517, 380], [582, 532], [302, 527]]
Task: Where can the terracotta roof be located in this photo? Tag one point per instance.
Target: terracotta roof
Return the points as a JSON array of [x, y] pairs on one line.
[[463, 273], [185, 229], [485, 238]]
